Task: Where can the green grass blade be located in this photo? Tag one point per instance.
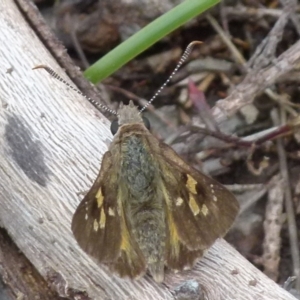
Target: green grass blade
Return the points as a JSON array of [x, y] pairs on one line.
[[146, 37]]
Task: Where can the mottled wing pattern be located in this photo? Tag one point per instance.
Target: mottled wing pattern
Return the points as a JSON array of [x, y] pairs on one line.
[[100, 227], [195, 203]]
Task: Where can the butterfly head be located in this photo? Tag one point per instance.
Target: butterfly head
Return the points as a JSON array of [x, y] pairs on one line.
[[128, 115]]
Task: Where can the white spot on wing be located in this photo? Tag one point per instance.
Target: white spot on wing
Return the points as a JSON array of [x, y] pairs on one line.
[[179, 201], [111, 212], [204, 210], [96, 225], [214, 197]]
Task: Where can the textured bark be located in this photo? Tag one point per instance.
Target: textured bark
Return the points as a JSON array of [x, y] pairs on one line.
[[52, 141], [256, 82], [20, 276]]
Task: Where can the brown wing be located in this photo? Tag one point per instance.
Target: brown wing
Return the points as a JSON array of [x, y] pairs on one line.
[[199, 209], [100, 227]]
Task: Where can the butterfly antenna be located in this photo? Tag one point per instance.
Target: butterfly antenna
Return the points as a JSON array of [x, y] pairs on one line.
[[183, 58], [92, 101]]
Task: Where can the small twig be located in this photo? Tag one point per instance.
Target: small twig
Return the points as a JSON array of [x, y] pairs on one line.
[[206, 64], [272, 228], [199, 101], [252, 197], [243, 12], [279, 99], [245, 142], [265, 52], [289, 282], [292, 226], [292, 6], [75, 41], [236, 54], [240, 188], [223, 16], [256, 82]]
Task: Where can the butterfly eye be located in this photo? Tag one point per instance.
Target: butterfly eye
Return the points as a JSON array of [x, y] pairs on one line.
[[114, 126], [146, 123]]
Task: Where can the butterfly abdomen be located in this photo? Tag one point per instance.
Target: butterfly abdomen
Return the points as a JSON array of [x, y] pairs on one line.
[[150, 233], [145, 206]]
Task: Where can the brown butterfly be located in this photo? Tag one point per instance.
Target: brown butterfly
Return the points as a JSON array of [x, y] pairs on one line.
[[148, 208]]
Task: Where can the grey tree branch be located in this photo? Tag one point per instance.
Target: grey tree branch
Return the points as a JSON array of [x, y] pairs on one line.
[[256, 82]]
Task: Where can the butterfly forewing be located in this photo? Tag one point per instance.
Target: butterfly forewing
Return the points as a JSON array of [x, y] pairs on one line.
[[100, 228], [96, 214], [200, 210]]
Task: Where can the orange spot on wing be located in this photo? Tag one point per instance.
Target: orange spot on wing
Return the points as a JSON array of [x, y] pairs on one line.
[[99, 198], [193, 205], [191, 184], [102, 220]]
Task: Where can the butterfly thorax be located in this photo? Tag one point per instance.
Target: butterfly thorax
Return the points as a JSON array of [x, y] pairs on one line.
[[144, 203]]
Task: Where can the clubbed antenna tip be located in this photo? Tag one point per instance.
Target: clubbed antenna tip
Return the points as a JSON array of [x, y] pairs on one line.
[[183, 58]]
